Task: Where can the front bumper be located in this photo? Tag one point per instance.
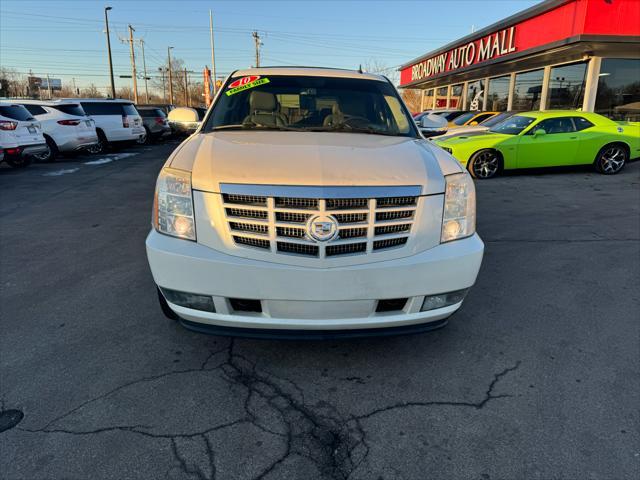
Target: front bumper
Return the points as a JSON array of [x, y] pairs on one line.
[[302, 298]]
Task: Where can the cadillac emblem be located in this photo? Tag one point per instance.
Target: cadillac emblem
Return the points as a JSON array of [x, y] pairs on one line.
[[322, 228]]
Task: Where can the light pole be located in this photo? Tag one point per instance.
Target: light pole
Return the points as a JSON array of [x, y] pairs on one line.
[[170, 77], [106, 22]]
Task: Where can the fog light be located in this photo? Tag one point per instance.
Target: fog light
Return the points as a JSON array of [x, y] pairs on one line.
[[189, 300], [431, 302]]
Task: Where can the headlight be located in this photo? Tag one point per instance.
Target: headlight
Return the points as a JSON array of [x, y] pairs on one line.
[[459, 216], [173, 205]]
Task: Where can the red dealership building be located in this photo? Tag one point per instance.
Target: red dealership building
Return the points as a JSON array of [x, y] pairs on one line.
[[559, 54]]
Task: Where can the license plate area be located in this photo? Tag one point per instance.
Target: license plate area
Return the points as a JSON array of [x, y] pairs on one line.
[[31, 129]]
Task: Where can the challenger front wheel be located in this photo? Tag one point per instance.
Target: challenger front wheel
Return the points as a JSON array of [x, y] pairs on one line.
[[484, 164]]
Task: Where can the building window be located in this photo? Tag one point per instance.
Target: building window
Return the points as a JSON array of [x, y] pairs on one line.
[[618, 95], [475, 95], [455, 101], [441, 97], [498, 94], [527, 90], [566, 86], [428, 100]]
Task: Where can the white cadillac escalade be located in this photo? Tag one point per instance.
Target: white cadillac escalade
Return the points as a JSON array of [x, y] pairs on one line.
[[308, 203]]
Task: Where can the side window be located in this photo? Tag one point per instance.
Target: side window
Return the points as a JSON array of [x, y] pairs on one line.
[[554, 125], [102, 108], [35, 109], [581, 123]]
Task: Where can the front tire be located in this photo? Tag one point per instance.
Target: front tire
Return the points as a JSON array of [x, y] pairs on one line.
[[611, 159], [51, 153], [485, 164]]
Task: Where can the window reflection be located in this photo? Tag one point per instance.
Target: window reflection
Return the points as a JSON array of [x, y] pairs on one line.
[[475, 95], [527, 91], [441, 97], [618, 95], [566, 86], [428, 100], [455, 101], [498, 94]]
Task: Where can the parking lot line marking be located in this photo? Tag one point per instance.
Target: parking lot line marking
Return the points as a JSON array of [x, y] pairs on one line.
[[113, 157], [57, 173]]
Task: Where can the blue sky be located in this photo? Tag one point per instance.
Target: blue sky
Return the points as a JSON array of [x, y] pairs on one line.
[[66, 38]]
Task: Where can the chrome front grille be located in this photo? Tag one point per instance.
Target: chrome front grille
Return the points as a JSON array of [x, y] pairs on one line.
[[275, 218]]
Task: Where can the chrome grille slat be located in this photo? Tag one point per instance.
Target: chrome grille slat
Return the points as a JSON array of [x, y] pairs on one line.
[[390, 229], [245, 199], [347, 203], [292, 217], [279, 223], [395, 202], [250, 227], [241, 213]]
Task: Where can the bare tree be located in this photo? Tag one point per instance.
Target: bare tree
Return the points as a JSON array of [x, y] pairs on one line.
[[91, 92], [412, 98], [378, 67], [13, 84]]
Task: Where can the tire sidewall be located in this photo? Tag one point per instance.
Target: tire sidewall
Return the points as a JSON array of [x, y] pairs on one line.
[[474, 158], [598, 160], [53, 151]]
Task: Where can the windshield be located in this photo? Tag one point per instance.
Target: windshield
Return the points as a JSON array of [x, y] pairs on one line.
[[495, 120], [512, 125], [305, 103], [462, 119]]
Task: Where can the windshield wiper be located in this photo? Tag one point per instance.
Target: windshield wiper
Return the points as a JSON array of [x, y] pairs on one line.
[[343, 127], [254, 126]]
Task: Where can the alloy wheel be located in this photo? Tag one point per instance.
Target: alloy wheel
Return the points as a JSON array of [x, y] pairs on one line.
[[485, 165], [612, 159]]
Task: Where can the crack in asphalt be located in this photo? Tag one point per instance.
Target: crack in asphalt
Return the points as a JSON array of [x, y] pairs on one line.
[[334, 443]]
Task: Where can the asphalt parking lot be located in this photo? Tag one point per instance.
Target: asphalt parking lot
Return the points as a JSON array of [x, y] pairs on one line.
[[536, 377]]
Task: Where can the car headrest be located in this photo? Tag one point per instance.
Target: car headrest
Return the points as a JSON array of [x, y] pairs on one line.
[[262, 101]]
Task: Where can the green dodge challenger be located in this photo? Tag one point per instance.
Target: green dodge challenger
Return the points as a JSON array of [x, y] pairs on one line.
[[547, 139]]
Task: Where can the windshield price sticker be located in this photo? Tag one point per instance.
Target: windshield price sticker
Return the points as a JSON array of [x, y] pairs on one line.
[[245, 86]]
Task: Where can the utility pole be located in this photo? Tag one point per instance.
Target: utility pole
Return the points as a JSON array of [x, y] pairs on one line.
[[133, 65], [170, 77], [186, 88], [213, 57], [164, 85], [106, 22], [75, 90], [256, 39], [49, 87], [144, 66]]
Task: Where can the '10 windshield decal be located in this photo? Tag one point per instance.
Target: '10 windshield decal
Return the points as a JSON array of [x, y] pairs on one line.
[[245, 83]]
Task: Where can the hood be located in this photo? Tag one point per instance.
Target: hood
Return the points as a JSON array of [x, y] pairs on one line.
[[462, 131], [486, 138], [309, 159]]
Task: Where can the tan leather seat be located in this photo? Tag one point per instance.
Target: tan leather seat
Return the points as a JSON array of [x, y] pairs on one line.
[[263, 110], [336, 117]]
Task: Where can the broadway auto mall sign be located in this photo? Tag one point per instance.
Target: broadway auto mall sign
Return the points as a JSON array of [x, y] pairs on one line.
[[480, 50]]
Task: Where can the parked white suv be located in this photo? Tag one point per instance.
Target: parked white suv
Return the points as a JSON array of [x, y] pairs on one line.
[[20, 135], [65, 126], [308, 202], [116, 120]]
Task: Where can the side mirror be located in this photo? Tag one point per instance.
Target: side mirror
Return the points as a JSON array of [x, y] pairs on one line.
[[431, 125], [539, 131], [184, 120]]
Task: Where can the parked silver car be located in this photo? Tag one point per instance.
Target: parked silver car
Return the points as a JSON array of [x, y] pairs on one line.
[[155, 123]]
